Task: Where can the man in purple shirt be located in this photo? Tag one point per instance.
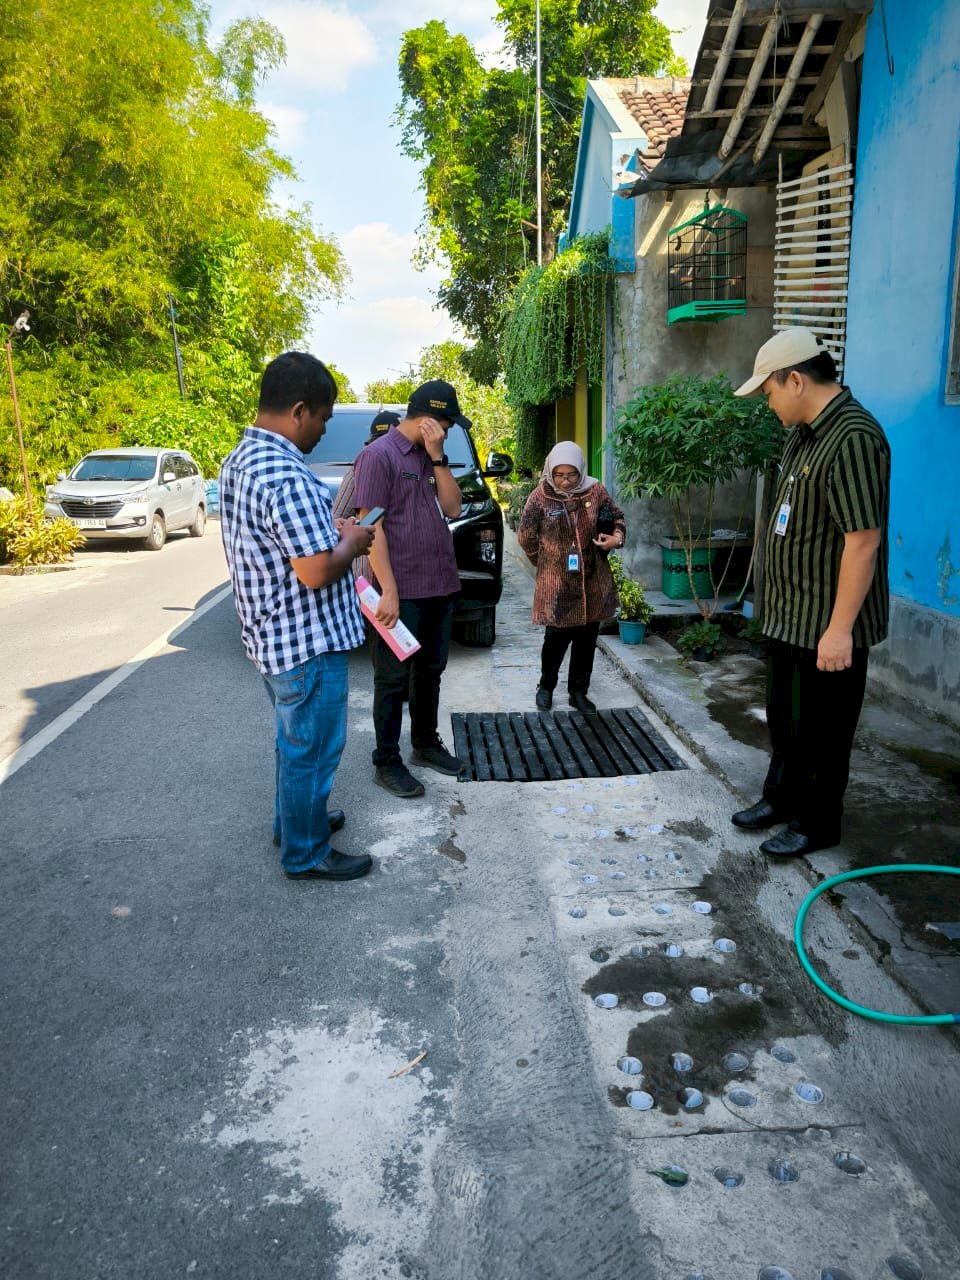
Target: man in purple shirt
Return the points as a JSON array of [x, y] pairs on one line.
[[407, 473]]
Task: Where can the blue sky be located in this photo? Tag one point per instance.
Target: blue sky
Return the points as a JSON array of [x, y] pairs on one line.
[[332, 106]]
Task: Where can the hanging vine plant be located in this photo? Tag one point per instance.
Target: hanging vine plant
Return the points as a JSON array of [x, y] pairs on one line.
[[555, 325]]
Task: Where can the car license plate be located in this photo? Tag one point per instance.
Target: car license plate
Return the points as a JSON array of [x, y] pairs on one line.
[[90, 524]]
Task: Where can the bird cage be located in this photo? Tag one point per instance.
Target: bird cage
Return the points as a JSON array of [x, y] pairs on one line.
[[707, 266]]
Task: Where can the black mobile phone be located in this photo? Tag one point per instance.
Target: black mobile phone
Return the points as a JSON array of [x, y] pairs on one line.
[[372, 516]]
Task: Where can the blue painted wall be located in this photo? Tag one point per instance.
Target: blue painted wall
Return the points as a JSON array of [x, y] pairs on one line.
[[593, 205], [902, 284]]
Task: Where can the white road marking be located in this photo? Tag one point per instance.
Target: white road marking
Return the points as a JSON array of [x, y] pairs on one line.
[[33, 746]]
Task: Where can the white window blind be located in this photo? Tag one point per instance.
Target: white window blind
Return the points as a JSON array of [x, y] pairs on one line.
[[812, 251]]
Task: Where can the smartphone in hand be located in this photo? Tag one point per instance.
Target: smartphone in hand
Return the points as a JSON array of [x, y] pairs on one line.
[[374, 515]]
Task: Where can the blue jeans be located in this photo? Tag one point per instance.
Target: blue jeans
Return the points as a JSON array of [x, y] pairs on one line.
[[310, 702]]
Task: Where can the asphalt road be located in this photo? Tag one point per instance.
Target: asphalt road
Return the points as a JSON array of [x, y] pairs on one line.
[[198, 1054]]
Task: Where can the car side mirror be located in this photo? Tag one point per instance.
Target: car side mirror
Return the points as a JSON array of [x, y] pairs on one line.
[[61, 475], [168, 477], [498, 464]]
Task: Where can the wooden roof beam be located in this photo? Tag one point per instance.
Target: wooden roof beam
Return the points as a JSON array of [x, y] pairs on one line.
[[748, 54], [723, 113], [726, 53], [816, 100], [789, 85], [767, 41]]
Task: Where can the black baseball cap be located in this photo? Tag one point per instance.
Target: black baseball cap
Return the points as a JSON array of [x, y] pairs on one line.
[[440, 399], [384, 420]]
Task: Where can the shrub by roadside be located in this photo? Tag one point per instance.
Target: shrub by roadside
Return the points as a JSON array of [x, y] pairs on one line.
[[26, 539]]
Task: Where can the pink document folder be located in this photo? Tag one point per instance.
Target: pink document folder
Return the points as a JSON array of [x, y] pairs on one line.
[[400, 639]]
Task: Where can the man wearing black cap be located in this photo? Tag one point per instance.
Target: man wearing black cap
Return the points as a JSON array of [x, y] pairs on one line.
[[407, 473]]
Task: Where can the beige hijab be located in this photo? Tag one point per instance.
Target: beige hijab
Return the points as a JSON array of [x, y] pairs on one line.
[[567, 454]]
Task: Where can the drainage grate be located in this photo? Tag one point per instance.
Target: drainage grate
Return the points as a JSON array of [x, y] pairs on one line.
[[531, 746]]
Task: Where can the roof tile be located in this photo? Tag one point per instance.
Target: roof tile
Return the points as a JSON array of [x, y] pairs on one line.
[[658, 106]]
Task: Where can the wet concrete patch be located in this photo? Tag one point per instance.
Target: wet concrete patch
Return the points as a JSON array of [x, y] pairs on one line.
[[886, 834], [936, 764], [696, 830], [450, 850], [736, 709], [787, 1006], [730, 1022]]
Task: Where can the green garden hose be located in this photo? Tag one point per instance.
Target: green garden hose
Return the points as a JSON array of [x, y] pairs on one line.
[[935, 1019]]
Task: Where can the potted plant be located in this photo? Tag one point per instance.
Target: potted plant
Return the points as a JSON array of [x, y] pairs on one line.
[[634, 613], [700, 641], [752, 632], [679, 440]]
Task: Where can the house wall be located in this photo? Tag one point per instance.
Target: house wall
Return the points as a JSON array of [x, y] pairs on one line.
[[644, 349], [902, 285], [604, 143]]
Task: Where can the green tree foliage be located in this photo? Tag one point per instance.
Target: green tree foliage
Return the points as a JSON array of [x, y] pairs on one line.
[[682, 438], [134, 166], [345, 392], [484, 404], [471, 129], [383, 391]]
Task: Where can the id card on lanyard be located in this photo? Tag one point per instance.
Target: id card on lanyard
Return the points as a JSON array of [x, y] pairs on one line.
[[783, 515], [573, 557]]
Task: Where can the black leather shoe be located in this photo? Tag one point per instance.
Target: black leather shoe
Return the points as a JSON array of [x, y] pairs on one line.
[[337, 819], [580, 702], [792, 843], [338, 866], [758, 817], [544, 698]]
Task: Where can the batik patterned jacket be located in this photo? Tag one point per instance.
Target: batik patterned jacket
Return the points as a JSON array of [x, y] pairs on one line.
[[551, 529]]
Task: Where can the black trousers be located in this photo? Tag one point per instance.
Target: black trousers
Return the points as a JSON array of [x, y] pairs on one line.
[[812, 716], [582, 643], [418, 678]]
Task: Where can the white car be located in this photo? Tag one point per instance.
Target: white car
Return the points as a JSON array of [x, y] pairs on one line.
[[138, 493]]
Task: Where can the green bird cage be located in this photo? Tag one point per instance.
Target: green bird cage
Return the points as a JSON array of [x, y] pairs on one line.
[[707, 266]]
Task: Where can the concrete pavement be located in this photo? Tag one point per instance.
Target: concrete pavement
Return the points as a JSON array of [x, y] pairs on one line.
[[198, 1053]]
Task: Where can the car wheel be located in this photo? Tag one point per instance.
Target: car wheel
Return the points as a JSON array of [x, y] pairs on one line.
[[157, 535], [479, 632], [199, 523]]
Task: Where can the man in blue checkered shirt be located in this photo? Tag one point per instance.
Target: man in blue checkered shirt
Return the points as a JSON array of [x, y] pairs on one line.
[[299, 613]]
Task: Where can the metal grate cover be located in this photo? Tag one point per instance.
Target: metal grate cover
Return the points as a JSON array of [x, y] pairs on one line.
[[532, 746]]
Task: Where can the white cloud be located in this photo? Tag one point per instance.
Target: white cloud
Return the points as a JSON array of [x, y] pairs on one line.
[[378, 339], [380, 259], [489, 49], [689, 18], [325, 45], [289, 123], [414, 13]]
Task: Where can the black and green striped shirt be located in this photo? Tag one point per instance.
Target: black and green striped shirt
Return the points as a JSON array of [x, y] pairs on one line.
[[835, 475]]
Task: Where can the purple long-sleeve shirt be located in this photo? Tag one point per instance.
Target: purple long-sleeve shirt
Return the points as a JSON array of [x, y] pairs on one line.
[[396, 474]]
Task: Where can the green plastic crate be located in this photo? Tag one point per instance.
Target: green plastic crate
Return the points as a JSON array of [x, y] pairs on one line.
[[674, 580]]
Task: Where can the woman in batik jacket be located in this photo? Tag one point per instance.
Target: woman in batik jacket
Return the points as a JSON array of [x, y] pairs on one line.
[[568, 527]]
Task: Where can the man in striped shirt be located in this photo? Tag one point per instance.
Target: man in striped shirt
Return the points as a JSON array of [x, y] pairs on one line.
[[825, 593], [299, 614]]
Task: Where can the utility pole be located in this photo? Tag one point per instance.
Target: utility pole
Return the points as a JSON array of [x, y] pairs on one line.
[[539, 152], [176, 346], [20, 325]]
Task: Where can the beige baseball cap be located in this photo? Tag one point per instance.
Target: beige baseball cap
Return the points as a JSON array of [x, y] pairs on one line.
[[785, 349]]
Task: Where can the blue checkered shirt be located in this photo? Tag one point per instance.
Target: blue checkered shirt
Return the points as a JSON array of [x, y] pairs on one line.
[[274, 509]]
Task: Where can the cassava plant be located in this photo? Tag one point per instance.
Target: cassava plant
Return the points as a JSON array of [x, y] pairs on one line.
[[26, 539], [681, 439]]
